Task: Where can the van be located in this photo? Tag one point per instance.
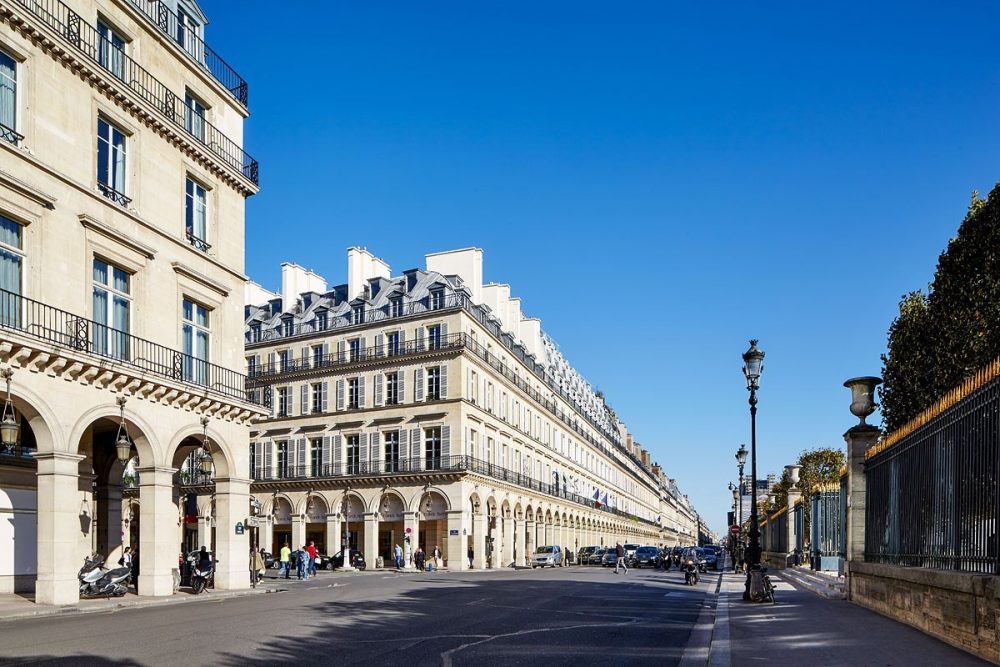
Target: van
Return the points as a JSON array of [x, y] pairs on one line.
[[550, 556]]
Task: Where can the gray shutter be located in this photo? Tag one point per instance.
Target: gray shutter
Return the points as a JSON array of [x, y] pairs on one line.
[[418, 384], [268, 454], [363, 352], [326, 354], [444, 380], [340, 351], [258, 458], [379, 342], [325, 454], [400, 375], [404, 449], [378, 390], [323, 397], [363, 449], [376, 454], [445, 442], [444, 334], [270, 362], [420, 339], [301, 461], [291, 399], [362, 381], [402, 340], [417, 448], [305, 357], [304, 403], [338, 454], [340, 394]]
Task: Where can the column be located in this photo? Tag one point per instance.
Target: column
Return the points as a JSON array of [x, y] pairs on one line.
[[232, 551], [158, 546], [108, 518], [479, 540], [298, 532], [204, 532], [506, 556], [266, 536], [411, 533], [530, 535], [519, 546], [371, 538], [541, 538], [858, 439], [794, 495], [455, 551], [332, 534], [58, 528]]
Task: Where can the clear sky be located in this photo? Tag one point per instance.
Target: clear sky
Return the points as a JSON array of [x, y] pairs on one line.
[[658, 181]]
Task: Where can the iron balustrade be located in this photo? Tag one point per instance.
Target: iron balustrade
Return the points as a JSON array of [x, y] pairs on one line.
[[197, 243], [43, 322], [10, 135], [163, 18], [774, 534], [85, 38], [932, 498], [423, 465], [827, 524], [130, 482], [112, 194]]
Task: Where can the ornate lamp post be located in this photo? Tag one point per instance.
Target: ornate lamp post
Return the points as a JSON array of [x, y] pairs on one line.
[[123, 444], [205, 460], [9, 429], [753, 366]]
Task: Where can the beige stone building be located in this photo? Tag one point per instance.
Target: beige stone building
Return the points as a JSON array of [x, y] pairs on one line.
[[426, 409], [122, 190]]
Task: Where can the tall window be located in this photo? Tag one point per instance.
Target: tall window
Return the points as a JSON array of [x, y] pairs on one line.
[[187, 34], [195, 338], [396, 307], [284, 360], [315, 457], [353, 454], [282, 471], [358, 314], [317, 354], [432, 448], [354, 346], [437, 299], [317, 397], [321, 320], [434, 337], [392, 388], [196, 214], [111, 50], [391, 451], [194, 116], [434, 383], [392, 343], [252, 366], [111, 162], [112, 306], [284, 401], [11, 260], [8, 98], [287, 326], [353, 396]]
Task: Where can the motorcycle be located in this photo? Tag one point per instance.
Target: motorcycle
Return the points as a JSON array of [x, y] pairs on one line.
[[98, 581], [202, 578], [690, 573]]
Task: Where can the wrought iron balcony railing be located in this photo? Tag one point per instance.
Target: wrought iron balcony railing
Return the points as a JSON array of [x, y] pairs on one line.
[[170, 25], [425, 465], [9, 135], [43, 322], [197, 243], [112, 194], [184, 477], [85, 38]]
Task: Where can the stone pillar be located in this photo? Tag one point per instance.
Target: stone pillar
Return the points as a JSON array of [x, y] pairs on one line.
[[108, 518], [298, 532], [456, 550], [204, 532], [332, 534], [519, 542], [794, 495], [411, 522], [543, 535], [480, 523], [232, 551], [530, 534], [59, 528], [267, 536], [507, 548], [371, 538], [158, 545], [858, 439]]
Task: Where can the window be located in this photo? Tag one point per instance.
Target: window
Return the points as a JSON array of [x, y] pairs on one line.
[[195, 335], [434, 383], [8, 99], [392, 388], [196, 214], [317, 397], [287, 326], [437, 299], [315, 457], [392, 343], [284, 361], [396, 307], [255, 332], [354, 346], [194, 116], [112, 308], [432, 448], [317, 356], [358, 314], [353, 454], [252, 366], [111, 162], [321, 320], [187, 34], [11, 261], [111, 50], [282, 471], [434, 337], [353, 396], [391, 451], [284, 401]]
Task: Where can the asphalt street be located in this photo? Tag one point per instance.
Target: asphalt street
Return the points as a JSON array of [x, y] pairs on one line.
[[580, 615]]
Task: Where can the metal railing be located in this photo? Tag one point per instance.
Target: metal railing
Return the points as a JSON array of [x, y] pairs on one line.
[[932, 498], [774, 534], [184, 478], [10, 135], [424, 464], [197, 243], [117, 197], [85, 38], [168, 23], [43, 322], [827, 526]]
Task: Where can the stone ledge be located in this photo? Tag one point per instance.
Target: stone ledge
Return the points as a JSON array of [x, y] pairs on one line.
[[964, 582]]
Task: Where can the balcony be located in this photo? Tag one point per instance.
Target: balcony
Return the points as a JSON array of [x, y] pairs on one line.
[[164, 19], [130, 481], [37, 320], [87, 41], [428, 465], [9, 135]]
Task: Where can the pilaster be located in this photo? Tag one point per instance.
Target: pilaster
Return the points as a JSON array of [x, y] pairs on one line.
[[58, 528], [232, 551], [456, 548], [158, 543]]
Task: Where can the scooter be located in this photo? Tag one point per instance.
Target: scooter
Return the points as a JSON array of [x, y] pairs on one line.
[[97, 581], [690, 573], [200, 579]]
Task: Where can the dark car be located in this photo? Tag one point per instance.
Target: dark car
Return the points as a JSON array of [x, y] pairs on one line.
[[646, 556], [337, 560], [583, 556], [269, 561], [711, 556], [610, 558]]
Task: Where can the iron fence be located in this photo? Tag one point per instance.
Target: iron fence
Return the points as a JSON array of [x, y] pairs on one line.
[[87, 40], [932, 497], [774, 534], [827, 538]]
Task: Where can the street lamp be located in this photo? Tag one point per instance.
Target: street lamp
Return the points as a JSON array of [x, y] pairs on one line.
[[8, 425], [123, 444], [205, 461], [741, 459], [753, 366]]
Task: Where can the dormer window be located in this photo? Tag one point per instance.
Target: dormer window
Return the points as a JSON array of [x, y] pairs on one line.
[[255, 333], [287, 327], [321, 320], [357, 314], [396, 307], [437, 299]]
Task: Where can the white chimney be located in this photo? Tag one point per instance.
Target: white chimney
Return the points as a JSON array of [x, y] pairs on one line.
[[466, 263], [255, 295], [496, 297], [362, 266]]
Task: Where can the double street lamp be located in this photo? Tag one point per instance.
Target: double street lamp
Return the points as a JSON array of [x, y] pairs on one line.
[[753, 366]]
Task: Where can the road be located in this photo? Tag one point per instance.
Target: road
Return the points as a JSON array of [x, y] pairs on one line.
[[580, 615]]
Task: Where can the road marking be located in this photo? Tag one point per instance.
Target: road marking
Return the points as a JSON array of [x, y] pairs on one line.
[[699, 644]]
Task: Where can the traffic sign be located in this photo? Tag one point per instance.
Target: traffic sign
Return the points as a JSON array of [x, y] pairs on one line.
[[734, 529]]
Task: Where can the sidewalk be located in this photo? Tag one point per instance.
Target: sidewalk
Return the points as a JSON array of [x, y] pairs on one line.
[[806, 629]]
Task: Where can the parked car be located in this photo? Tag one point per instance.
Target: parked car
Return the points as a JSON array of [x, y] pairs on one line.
[[630, 550], [269, 561], [610, 558], [323, 561], [547, 556], [584, 554], [597, 557], [337, 560], [648, 556]]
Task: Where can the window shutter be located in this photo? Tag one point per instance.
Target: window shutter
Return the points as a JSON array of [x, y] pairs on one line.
[[258, 458], [338, 454], [404, 449], [363, 450], [379, 341], [301, 461], [326, 354], [402, 340], [323, 396], [340, 394], [400, 375], [363, 352], [325, 454], [291, 399], [417, 448], [376, 454], [378, 390], [445, 442], [340, 351], [420, 339], [361, 390], [305, 357], [268, 446], [444, 380], [418, 384], [270, 362], [444, 334], [304, 403]]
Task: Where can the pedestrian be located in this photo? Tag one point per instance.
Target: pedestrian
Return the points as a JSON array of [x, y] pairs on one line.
[[126, 559], [301, 563], [620, 554], [437, 557], [286, 561], [418, 558], [313, 553], [471, 554], [398, 554], [135, 568], [257, 564]]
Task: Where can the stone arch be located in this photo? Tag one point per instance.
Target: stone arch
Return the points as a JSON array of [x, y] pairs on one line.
[[414, 504], [518, 511], [505, 509], [319, 503], [45, 426], [390, 505], [277, 504], [475, 501], [191, 434], [141, 432]]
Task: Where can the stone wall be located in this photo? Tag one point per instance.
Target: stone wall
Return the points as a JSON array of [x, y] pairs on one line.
[[959, 608]]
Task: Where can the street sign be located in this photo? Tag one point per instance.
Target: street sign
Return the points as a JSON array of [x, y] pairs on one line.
[[453, 531], [734, 529], [408, 531], [251, 522], [239, 527]]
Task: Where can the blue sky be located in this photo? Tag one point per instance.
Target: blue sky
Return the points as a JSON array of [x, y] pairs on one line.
[[658, 181]]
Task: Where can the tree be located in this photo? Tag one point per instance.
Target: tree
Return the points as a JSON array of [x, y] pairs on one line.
[[907, 368]]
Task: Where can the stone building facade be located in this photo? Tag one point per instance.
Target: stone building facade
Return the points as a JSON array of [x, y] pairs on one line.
[[425, 409], [122, 190]]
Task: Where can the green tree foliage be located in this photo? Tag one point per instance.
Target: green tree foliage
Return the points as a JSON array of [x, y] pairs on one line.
[[940, 339]]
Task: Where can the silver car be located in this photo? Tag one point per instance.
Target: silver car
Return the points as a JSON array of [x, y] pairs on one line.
[[551, 556]]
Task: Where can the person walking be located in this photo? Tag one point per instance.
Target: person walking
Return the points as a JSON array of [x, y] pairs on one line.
[[134, 565], [301, 563], [418, 558], [437, 557], [398, 555], [471, 554], [620, 554], [286, 561], [313, 553], [257, 564]]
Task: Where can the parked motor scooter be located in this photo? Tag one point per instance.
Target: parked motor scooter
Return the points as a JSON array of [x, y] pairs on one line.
[[690, 572], [202, 578], [98, 581]]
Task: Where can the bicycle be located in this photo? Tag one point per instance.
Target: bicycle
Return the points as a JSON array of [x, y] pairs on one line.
[[768, 593]]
